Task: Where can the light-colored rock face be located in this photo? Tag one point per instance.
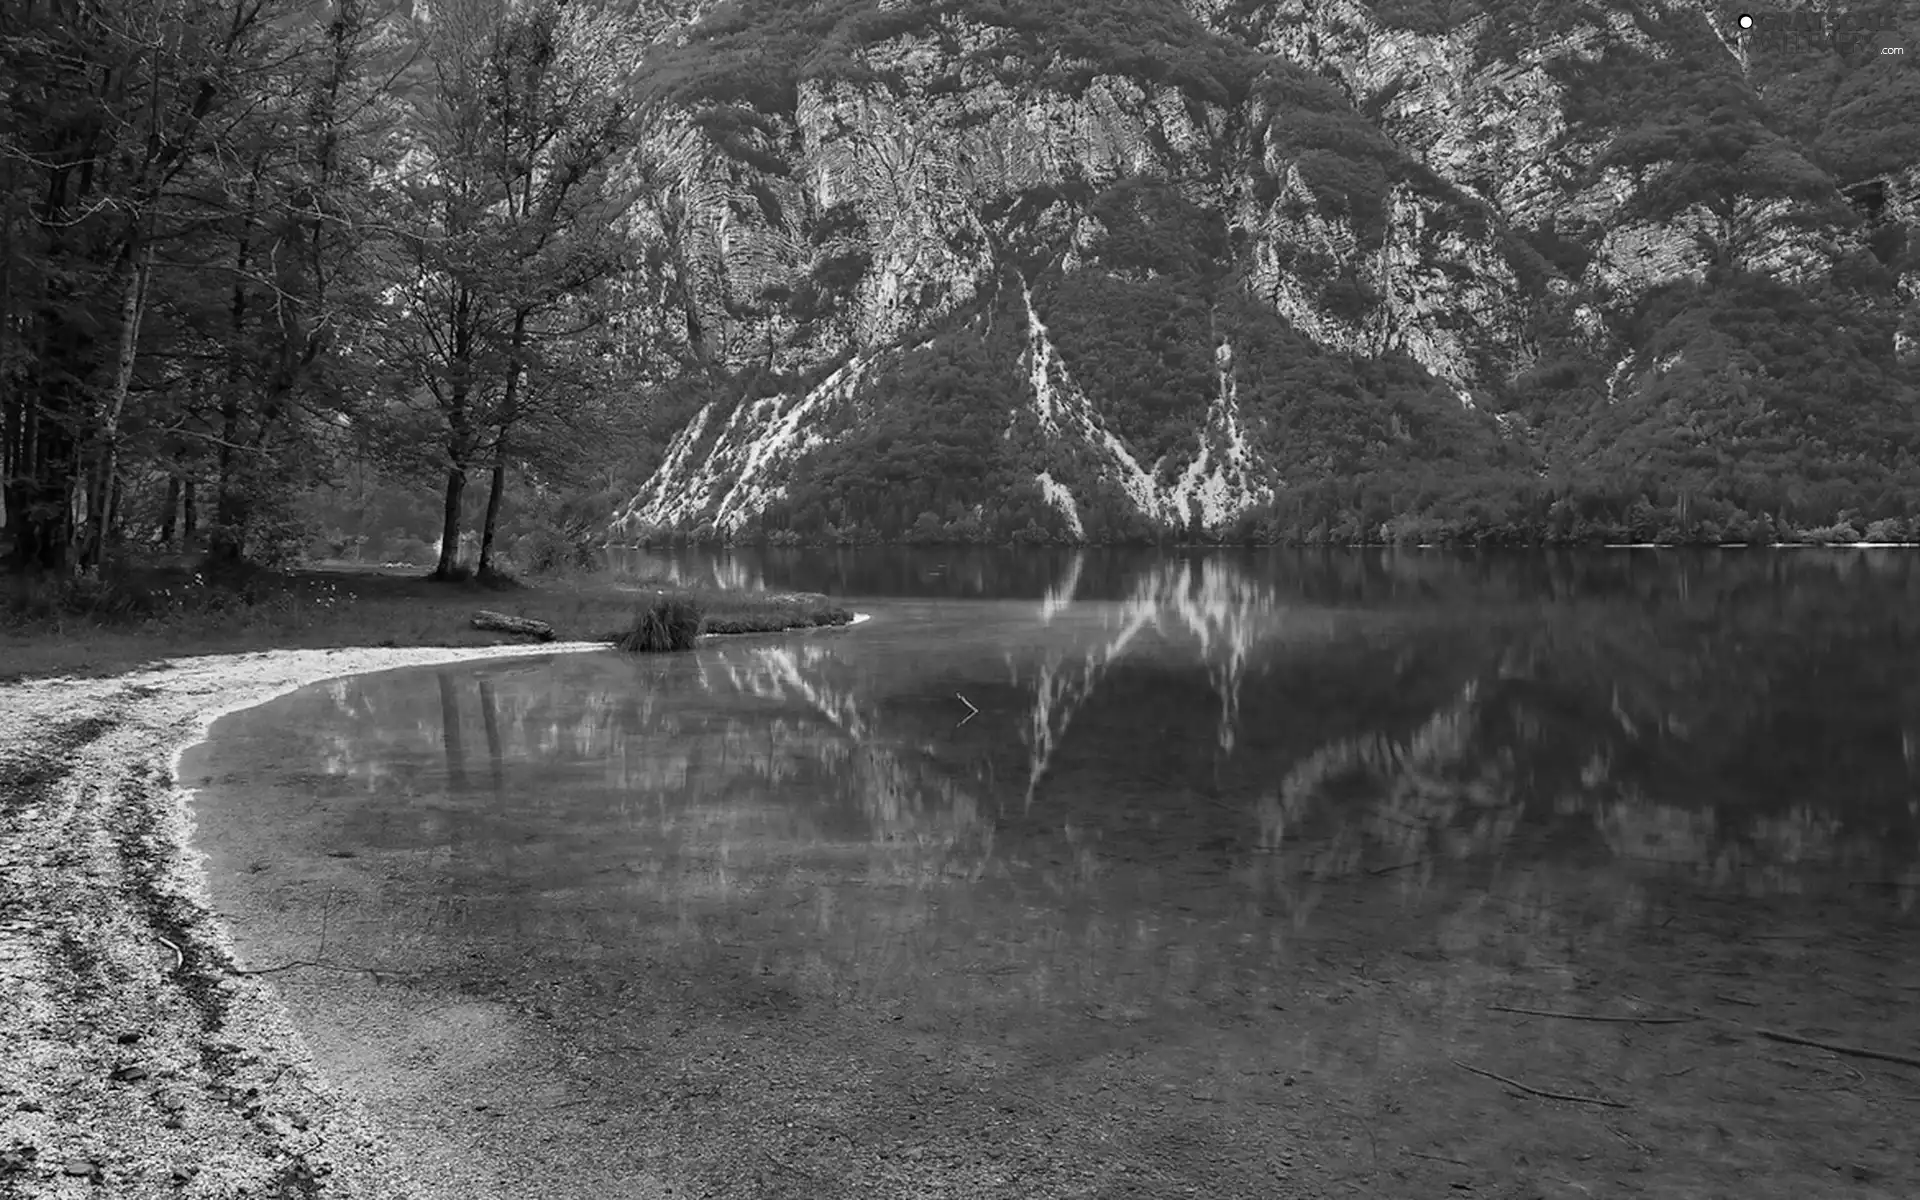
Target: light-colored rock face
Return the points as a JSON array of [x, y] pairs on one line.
[[912, 187], [922, 158], [919, 160], [728, 476], [921, 164]]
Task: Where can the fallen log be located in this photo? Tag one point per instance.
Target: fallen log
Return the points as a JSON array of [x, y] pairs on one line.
[[502, 623]]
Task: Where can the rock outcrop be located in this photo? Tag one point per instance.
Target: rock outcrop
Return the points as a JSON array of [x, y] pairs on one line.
[[1459, 197]]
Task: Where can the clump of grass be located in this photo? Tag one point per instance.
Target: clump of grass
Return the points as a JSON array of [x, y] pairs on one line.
[[671, 624]]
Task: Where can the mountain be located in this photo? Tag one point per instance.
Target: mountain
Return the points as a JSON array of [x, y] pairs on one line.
[[1315, 270]]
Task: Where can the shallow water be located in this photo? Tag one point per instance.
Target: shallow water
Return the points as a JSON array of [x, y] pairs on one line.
[[1085, 875]]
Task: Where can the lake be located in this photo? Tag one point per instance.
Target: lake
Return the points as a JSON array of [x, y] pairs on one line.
[[1081, 874]]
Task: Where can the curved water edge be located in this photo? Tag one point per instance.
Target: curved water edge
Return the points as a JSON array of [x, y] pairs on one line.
[[361, 661], [1174, 819], [122, 939], [411, 657], [408, 657], [113, 934]]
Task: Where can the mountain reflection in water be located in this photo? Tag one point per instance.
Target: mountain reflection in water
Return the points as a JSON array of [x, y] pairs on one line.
[[1192, 787]]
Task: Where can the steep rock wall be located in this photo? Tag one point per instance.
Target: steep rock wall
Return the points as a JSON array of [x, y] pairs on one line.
[[1457, 196]]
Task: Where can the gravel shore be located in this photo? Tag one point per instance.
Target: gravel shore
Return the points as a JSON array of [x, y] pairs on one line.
[[139, 1060]]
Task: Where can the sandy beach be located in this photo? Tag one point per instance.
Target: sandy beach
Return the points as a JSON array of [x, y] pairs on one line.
[[141, 1060]]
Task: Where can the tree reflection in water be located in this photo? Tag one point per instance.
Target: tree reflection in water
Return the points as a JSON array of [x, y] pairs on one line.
[[1194, 784]]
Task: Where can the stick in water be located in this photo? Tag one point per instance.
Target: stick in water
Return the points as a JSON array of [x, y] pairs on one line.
[[1835, 1047], [1907, 1060], [1567, 1016], [1534, 1091]]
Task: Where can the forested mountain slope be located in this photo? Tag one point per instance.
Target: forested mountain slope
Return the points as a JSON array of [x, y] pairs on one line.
[[1297, 270]]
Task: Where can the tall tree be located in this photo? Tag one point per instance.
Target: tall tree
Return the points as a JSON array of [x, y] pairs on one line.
[[556, 99], [443, 194], [509, 209]]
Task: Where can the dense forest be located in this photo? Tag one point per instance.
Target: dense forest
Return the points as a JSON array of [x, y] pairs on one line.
[[285, 279], [451, 284]]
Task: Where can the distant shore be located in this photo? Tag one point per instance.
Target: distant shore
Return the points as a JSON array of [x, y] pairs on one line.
[[1490, 544], [1764, 546]]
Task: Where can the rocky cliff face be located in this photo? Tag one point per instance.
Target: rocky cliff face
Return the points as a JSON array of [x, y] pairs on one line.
[[1151, 220]]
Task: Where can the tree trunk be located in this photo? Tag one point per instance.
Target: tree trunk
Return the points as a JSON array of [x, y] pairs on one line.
[[227, 507], [507, 417], [16, 444], [498, 486], [115, 527], [450, 523], [169, 513], [45, 479], [132, 308], [459, 432], [189, 513]]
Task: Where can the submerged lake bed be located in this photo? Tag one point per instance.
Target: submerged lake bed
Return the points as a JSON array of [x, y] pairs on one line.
[[1083, 874]]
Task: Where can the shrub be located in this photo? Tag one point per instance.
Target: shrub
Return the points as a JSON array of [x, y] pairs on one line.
[[1838, 533], [1887, 529], [552, 548], [663, 625]]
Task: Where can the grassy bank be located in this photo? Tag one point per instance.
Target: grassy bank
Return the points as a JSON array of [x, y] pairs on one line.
[[53, 628]]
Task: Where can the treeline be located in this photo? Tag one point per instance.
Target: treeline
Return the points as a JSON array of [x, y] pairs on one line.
[[252, 243], [1507, 513]]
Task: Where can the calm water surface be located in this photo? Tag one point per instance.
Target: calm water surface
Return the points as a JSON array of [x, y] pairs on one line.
[[1107, 875]]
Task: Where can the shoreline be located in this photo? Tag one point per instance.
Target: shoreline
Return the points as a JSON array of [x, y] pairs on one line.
[[142, 1058]]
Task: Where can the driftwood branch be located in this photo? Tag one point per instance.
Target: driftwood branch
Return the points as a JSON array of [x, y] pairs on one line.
[[297, 965], [502, 623], [1534, 1091], [1392, 867], [1435, 1157], [1774, 1035], [377, 974], [1835, 1047], [1567, 1016], [1629, 1141]]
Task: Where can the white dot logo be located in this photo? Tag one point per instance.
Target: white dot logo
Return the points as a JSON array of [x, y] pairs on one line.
[[1746, 21]]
